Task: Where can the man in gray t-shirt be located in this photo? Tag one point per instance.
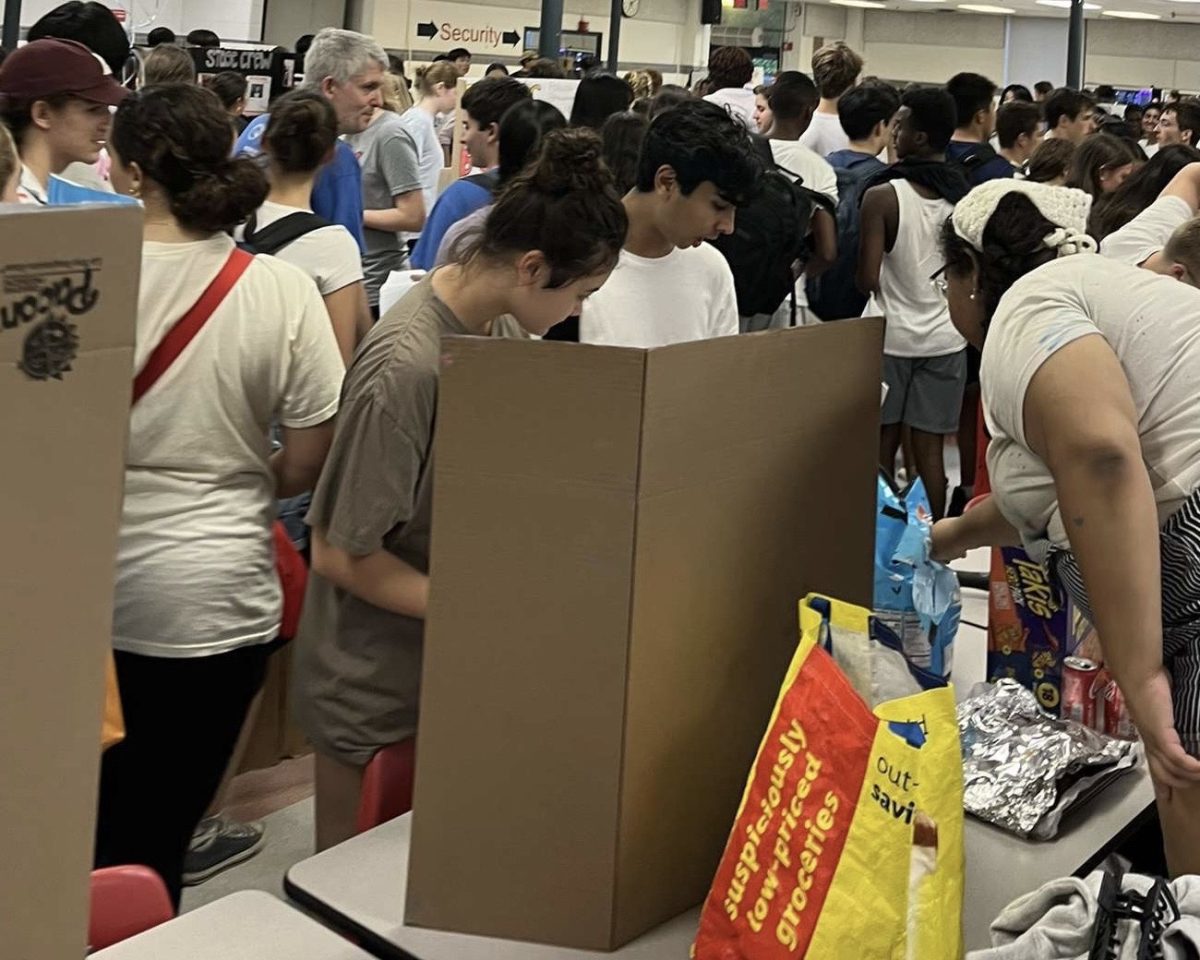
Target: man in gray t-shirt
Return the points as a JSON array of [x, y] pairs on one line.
[[392, 198]]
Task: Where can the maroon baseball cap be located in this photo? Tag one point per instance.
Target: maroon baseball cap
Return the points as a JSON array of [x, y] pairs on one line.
[[44, 68]]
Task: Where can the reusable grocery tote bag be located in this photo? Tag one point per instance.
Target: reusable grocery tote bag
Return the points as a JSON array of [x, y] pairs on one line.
[[848, 842]]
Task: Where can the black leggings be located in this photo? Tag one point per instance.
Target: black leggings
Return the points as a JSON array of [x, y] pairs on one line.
[[182, 720]]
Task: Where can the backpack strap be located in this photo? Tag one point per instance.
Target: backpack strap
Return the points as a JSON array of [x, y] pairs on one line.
[[191, 323], [762, 147], [489, 180], [979, 154], [284, 231]]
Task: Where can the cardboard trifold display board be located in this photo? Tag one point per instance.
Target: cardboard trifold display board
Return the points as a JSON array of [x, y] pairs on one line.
[[621, 538], [68, 303]]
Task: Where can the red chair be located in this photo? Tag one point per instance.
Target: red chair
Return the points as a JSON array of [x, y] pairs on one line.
[[125, 901], [387, 789]]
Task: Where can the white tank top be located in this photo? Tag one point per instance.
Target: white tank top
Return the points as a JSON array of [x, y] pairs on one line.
[[918, 320]]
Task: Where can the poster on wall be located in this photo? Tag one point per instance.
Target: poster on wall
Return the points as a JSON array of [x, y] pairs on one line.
[[258, 95], [559, 93]]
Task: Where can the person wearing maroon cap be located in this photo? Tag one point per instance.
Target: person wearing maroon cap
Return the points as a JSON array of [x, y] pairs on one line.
[[55, 96]]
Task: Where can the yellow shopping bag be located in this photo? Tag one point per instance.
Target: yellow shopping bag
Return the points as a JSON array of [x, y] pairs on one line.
[[112, 726], [848, 842]]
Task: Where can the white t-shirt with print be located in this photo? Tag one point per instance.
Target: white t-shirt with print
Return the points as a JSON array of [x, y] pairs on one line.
[[825, 134], [686, 295], [195, 562], [329, 255], [1148, 232], [1150, 323]]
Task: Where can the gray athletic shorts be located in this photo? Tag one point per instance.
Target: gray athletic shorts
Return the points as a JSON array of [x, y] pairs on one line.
[[925, 393]]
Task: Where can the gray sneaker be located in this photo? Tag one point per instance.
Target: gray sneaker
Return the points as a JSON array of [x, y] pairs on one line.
[[217, 845]]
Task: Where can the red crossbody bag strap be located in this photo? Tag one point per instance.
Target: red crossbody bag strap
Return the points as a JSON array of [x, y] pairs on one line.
[[191, 323]]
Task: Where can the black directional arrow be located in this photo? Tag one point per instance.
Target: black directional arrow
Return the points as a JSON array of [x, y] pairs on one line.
[[511, 37], [427, 29]]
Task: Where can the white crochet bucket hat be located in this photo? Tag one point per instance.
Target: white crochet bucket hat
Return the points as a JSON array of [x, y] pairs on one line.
[[1065, 207]]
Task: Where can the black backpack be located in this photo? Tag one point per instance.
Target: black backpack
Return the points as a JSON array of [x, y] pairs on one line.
[[834, 295], [973, 160], [770, 234], [273, 238]]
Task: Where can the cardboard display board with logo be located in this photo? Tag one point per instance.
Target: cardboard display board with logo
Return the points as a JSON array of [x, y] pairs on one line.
[[68, 304], [622, 540]]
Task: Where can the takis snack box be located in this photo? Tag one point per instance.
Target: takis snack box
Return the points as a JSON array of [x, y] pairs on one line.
[[1029, 626]]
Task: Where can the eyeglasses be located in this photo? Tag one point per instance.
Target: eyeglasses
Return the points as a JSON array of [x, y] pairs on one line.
[[940, 283]]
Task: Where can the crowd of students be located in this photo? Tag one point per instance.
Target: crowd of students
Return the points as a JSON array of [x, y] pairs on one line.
[[625, 224]]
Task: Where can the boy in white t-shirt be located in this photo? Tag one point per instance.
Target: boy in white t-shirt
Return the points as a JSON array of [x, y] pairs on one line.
[[793, 99], [835, 69], [697, 164]]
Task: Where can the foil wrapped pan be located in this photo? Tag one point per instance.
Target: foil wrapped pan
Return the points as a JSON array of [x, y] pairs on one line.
[[1023, 769]]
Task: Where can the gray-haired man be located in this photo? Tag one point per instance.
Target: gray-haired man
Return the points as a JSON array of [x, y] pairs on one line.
[[348, 68]]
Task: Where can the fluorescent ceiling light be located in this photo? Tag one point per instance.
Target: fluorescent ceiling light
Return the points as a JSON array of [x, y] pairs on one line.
[[1066, 4], [1131, 15], [865, 4], [985, 8]]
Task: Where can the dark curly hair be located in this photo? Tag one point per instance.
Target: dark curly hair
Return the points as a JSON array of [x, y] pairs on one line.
[[562, 204], [729, 67], [1013, 245], [180, 137], [302, 130], [701, 142]]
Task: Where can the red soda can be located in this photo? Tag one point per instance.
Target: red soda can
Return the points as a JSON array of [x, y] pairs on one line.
[[1117, 722], [1078, 703]]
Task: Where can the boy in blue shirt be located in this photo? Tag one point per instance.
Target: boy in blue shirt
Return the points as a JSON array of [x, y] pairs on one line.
[[975, 112], [484, 104], [348, 68]]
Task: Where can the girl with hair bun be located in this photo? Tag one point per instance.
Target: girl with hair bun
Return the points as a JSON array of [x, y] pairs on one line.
[[1089, 377], [299, 141], [437, 90], [553, 239], [198, 600]]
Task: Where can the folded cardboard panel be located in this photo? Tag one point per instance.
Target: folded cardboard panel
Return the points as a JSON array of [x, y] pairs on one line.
[[68, 303], [621, 539]]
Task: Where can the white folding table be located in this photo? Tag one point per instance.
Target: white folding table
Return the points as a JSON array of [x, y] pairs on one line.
[[359, 886], [250, 925]]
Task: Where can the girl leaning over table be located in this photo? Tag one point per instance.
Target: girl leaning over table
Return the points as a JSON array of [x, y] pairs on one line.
[[552, 239], [1089, 378]]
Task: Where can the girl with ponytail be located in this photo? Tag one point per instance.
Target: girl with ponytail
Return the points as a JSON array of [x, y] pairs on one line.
[[437, 88], [198, 600], [1089, 378], [552, 239]]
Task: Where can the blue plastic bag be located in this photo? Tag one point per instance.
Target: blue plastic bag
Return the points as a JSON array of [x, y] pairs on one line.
[[915, 596]]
